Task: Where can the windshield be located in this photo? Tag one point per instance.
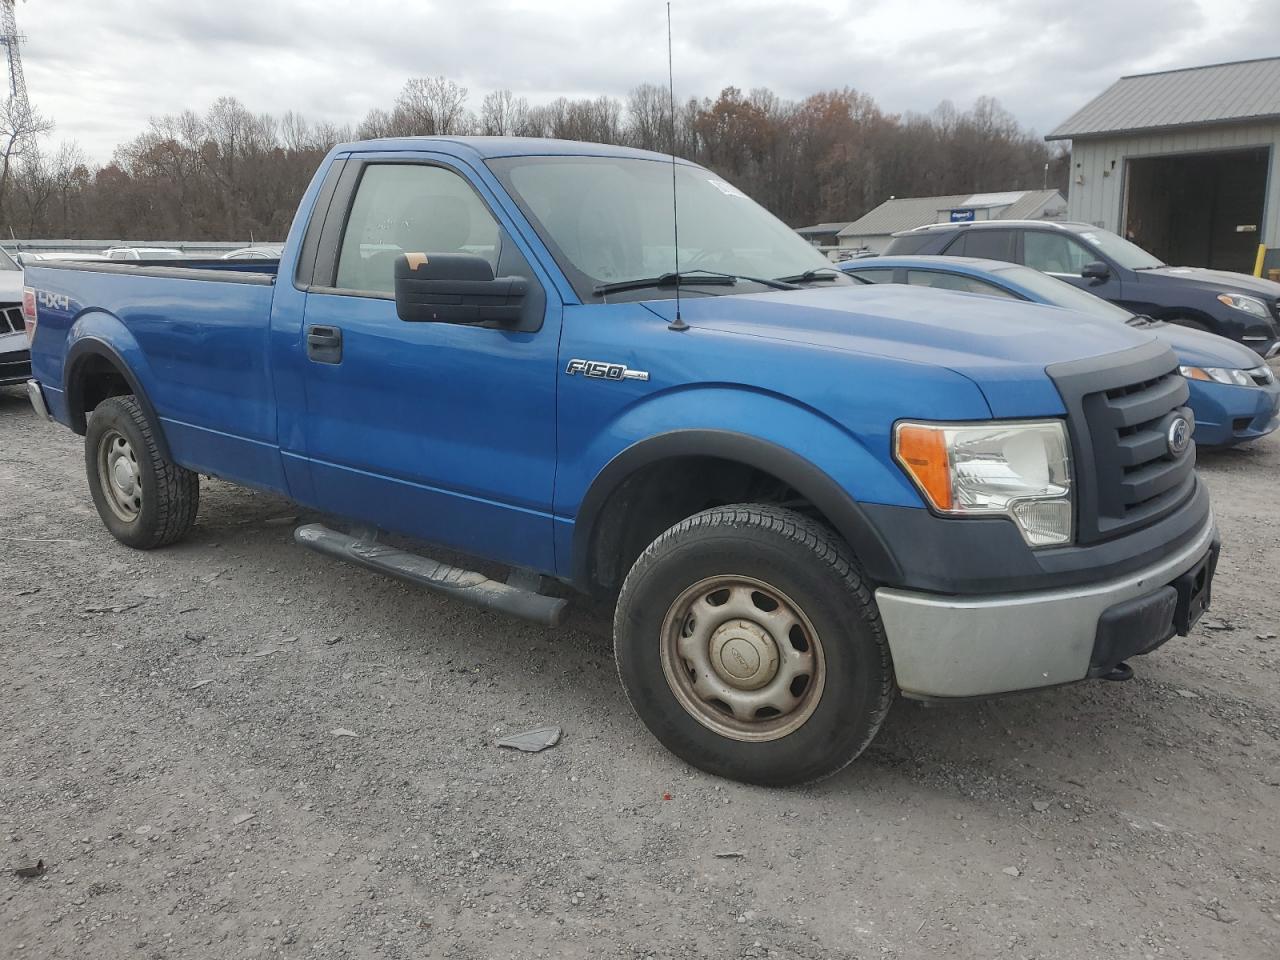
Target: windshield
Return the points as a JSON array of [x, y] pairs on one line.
[[608, 219], [1062, 294], [7, 262], [1120, 250]]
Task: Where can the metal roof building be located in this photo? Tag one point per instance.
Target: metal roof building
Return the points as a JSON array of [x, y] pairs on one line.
[[822, 235], [873, 231], [1186, 163]]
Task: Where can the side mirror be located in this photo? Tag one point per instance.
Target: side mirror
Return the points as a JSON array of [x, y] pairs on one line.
[[1096, 271], [455, 288]]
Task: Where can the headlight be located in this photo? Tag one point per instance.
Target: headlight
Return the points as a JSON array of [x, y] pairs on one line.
[[1250, 305], [1239, 378], [1011, 468]]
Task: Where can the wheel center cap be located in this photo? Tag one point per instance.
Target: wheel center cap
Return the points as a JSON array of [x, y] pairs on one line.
[[122, 474], [743, 655]]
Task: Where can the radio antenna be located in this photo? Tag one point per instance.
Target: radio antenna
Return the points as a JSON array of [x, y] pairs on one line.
[[678, 323]]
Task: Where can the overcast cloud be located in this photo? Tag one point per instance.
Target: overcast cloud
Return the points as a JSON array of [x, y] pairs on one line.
[[101, 69]]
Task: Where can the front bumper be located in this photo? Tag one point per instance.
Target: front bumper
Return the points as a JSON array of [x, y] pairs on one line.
[[1227, 414], [954, 646]]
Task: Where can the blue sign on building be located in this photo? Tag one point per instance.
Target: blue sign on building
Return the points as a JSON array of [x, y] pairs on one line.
[[961, 216]]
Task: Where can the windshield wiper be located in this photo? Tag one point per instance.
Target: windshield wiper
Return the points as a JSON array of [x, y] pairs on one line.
[[828, 273], [1142, 320], [689, 278]]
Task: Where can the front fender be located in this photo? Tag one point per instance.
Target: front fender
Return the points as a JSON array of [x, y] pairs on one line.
[[822, 460]]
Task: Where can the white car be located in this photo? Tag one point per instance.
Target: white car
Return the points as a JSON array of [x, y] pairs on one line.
[[25, 257], [15, 360], [144, 253], [268, 251]]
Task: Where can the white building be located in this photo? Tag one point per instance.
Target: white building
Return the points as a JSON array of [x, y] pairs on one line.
[[1186, 163]]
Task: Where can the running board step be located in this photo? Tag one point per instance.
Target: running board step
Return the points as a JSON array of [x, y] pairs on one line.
[[466, 585]]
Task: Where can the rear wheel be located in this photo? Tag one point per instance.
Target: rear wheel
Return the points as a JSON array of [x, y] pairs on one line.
[[749, 645], [144, 499]]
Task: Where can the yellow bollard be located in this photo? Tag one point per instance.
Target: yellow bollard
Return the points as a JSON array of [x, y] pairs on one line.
[[1262, 255]]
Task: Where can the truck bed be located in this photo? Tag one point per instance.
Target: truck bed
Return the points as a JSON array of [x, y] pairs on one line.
[[195, 331]]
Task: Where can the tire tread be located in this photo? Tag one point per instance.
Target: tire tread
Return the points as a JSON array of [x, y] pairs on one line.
[[824, 545], [177, 488]]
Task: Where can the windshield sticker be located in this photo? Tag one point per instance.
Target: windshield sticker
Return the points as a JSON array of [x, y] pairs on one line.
[[728, 189]]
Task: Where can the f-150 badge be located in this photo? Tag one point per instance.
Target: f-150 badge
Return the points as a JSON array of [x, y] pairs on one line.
[[599, 370]]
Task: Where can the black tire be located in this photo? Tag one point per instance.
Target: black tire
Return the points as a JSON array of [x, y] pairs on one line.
[[807, 564], [167, 495], [1191, 324]]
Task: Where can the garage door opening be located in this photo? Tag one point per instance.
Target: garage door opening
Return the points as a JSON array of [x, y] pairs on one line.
[[1200, 209]]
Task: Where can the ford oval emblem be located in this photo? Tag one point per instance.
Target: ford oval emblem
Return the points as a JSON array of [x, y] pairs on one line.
[[1179, 436]]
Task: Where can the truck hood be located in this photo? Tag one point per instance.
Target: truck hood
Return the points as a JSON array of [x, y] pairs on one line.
[[1220, 281], [1003, 346]]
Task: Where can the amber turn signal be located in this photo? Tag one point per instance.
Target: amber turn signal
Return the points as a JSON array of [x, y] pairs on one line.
[[922, 452]]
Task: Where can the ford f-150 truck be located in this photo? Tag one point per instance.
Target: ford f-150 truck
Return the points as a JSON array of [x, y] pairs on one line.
[[803, 494]]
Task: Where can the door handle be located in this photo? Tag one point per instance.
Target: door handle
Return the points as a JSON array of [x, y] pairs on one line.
[[324, 344]]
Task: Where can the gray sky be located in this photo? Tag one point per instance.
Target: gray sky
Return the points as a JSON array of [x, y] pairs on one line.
[[101, 68]]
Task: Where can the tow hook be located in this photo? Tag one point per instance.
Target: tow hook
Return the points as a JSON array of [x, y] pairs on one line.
[[1119, 673]]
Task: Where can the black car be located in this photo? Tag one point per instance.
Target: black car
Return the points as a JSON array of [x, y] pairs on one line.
[[1233, 305]]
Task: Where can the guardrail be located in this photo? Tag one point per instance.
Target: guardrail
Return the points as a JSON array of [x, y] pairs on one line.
[[195, 247]]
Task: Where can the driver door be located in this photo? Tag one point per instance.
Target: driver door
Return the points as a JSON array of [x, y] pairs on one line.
[[443, 432]]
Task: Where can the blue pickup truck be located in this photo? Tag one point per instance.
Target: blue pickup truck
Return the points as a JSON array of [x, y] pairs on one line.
[[803, 494]]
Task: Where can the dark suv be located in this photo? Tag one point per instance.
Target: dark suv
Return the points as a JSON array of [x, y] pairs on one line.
[[1234, 305]]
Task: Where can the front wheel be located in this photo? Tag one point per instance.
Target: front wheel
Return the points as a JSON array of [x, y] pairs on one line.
[[749, 645], [144, 499]]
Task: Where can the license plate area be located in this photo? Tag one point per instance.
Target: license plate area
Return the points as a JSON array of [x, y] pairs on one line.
[[1195, 589]]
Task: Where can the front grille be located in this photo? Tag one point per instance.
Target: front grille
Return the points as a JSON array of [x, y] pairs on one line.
[[11, 318], [1120, 410]]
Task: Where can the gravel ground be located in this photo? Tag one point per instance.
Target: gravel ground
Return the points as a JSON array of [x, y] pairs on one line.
[[169, 748]]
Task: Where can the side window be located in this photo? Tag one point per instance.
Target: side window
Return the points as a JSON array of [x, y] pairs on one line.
[[984, 244], [910, 243], [878, 275], [410, 208], [1054, 252], [952, 281]]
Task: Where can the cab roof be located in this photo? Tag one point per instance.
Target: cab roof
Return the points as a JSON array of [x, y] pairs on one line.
[[488, 148]]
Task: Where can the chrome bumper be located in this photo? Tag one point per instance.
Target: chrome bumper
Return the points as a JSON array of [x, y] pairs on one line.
[[36, 396], [978, 646]]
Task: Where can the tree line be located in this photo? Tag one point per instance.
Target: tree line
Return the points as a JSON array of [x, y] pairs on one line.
[[230, 173]]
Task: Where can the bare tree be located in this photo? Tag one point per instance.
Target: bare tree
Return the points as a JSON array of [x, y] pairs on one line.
[[648, 123], [503, 114], [229, 172], [21, 128], [431, 106]]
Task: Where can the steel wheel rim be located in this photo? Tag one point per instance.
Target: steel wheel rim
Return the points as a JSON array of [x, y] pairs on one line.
[[119, 475], [742, 658]]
